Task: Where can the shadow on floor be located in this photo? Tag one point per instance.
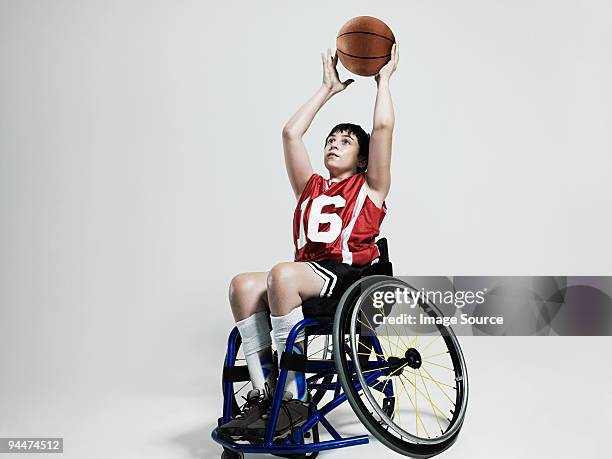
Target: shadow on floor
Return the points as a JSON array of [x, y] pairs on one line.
[[198, 444]]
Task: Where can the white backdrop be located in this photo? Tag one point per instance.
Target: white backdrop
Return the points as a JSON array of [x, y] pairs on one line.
[[141, 168]]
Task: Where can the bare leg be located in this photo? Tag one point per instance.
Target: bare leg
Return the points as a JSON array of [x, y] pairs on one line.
[[249, 301], [248, 294], [289, 284]]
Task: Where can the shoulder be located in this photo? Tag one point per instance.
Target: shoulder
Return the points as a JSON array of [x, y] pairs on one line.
[[314, 181]]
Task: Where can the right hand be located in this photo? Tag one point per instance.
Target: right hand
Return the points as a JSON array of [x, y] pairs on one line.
[[331, 80]]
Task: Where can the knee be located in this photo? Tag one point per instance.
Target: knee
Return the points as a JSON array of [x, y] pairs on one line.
[[240, 286], [281, 274]]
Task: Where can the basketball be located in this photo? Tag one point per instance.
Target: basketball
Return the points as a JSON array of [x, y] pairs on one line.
[[364, 45]]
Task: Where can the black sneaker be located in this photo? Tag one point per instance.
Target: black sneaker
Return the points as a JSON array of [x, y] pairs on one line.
[[292, 414], [256, 404]]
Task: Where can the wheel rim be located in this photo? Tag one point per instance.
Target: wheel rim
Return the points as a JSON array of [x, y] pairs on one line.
[[422, 383], [372, 414]]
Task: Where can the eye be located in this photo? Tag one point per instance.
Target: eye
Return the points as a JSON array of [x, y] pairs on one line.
[[345, 142], [329, 140]]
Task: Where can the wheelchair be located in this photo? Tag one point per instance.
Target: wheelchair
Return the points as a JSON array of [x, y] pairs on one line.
[[409, 388]]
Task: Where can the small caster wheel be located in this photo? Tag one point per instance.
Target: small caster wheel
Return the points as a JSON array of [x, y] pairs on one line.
[[229, 454]]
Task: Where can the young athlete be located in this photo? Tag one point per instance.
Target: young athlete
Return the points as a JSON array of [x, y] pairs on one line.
[[335, 223]]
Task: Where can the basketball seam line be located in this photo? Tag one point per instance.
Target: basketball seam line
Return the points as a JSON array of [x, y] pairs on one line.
[[370, 33], [361, 57]]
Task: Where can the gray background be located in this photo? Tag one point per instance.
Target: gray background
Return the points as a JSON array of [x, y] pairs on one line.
[[141, 168]]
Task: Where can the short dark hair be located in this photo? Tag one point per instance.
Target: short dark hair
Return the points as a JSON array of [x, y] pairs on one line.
[[363, 139]]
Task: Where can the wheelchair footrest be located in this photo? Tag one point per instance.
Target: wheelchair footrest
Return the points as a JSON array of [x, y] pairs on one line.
[[289, 448]]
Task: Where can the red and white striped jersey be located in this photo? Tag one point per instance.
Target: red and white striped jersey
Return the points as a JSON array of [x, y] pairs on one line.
[[337, 221]]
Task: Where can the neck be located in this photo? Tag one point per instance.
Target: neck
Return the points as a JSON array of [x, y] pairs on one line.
[[339, 177]]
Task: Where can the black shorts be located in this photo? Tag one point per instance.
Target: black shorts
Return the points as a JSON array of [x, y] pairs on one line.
[[337, 276]]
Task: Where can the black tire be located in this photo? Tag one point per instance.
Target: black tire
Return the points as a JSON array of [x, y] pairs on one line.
[[229, 454], [402, 445]]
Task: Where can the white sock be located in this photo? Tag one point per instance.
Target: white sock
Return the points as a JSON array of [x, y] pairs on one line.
[[281, 326], [255, 333]]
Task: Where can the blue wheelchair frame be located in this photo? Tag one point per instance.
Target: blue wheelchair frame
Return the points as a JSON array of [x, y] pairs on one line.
[[294, 443], [318, 324]]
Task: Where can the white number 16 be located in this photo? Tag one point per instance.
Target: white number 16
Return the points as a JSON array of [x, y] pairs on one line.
[[316, 218]]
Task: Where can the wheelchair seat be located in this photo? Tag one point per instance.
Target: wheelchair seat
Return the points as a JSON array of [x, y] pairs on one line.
[[324, 309]]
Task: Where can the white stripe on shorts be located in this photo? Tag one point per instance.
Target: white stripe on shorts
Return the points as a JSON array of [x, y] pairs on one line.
[[322, 275], [328, 288]]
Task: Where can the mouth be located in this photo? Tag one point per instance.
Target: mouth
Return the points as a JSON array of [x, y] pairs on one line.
[[332, 155]]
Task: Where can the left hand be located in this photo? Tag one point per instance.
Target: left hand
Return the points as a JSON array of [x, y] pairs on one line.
[[389, 67]]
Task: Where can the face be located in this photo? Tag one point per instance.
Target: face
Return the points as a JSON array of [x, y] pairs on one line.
[[341, 153]]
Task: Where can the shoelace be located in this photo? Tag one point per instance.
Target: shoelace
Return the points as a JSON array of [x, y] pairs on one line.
[[244, 409], [266, 394], [248, 405], [283, 406]]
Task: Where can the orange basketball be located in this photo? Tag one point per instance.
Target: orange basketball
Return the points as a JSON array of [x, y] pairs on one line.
[[364, 45]]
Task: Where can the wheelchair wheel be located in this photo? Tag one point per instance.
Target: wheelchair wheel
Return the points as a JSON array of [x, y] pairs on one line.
[[420, 372]]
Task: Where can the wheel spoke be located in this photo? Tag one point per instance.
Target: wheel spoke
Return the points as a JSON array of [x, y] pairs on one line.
[[430, 343], [435, 355], [438, 365], [370, 353], [382, 391], [435, 380], [394, 329], [412, 403], [430, 401], [388, 378], [375, 369], [376, 334], [421, 392], [416, 406], [443, 391]]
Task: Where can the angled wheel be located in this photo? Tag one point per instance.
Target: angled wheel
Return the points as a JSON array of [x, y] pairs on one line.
[[411, 393]]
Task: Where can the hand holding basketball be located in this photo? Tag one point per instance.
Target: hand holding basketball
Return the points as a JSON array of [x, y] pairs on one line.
[[387, 70], [331, 80]]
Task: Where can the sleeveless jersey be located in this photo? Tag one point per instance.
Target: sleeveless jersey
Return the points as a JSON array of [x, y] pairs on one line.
[[337, 221]]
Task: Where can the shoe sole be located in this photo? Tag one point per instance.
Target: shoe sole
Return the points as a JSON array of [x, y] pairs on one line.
[[278, 435]]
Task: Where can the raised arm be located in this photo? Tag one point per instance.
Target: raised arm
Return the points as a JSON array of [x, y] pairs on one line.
[[297, 160], [378, 174]]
